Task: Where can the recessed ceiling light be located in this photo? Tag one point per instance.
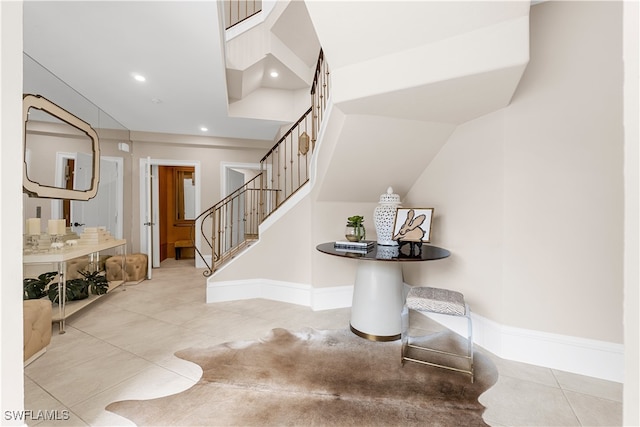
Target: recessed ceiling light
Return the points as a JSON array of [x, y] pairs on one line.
[[156, 100], [274, 74], [139, 77], [203, 129]]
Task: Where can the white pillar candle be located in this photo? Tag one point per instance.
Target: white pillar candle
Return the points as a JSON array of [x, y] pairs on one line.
[[54, 227], [33, 226], [62, 227]]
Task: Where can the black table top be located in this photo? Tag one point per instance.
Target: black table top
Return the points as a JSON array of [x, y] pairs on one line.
[[387, 253]]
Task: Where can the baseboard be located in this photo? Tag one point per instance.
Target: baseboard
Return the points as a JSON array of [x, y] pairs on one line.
[[592, 358], [34, 356], [201, 264], [581, 356], [294, 293]]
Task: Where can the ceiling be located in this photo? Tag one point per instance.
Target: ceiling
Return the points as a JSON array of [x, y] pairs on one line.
[[97, 48]]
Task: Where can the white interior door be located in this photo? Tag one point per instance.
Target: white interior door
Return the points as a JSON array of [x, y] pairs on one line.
[[235, 211], [81, 179], [106, 207], [147, 226]]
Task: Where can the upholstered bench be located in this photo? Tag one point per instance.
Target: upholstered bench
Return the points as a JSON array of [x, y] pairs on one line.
[[135, 266], [440, 301], [36, 328], [179, 245]]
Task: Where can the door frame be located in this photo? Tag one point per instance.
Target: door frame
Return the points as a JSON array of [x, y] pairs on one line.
[[225, 166], [155, 249], [56, 204]]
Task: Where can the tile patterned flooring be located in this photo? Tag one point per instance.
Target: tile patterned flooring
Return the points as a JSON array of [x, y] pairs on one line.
[[122, 348]]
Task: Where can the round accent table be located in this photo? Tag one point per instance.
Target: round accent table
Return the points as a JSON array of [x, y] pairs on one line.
[[378, 294]]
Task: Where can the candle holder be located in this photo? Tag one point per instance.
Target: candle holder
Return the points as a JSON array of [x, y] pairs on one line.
[[33, 234], [57, 228], [33, 242], [56, 242]]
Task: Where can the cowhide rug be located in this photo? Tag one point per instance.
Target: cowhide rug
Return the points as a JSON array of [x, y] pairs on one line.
[[322, 378]]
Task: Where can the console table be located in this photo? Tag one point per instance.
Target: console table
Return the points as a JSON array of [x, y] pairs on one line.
[[59, 257], [378, 294]]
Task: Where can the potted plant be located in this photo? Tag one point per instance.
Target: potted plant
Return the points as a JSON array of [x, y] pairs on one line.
[[97, 282], [76, 289], [35, 288], [355, 231]]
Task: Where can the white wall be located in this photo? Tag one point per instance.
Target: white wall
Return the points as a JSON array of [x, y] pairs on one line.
[[12, 384], [631, 54], [530, 198]]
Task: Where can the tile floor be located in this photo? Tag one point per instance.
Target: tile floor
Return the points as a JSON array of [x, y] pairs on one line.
[[122, 347]]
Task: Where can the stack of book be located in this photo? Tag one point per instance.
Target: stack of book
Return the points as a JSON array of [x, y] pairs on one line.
[[95, 235], [359, 247]]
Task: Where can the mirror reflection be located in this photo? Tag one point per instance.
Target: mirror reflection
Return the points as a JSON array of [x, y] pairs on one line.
[[52, 145], [185, 194], [61, 152]]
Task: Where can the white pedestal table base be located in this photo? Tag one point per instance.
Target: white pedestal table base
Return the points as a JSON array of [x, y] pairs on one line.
[[377, 301]]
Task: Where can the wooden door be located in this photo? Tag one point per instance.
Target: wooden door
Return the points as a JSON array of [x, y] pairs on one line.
[[172, 227]]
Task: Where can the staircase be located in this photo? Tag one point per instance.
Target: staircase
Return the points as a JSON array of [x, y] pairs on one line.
[[404, 76], [233, 223]]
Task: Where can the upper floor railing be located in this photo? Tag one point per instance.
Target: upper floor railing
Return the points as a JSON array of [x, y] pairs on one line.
[[236, 11], [233, 223], [319, 94]]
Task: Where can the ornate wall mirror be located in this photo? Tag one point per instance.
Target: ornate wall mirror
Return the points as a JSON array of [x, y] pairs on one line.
[[49, 130], [184, 183]]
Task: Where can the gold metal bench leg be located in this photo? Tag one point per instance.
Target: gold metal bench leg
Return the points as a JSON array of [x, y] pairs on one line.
[[406, 345]]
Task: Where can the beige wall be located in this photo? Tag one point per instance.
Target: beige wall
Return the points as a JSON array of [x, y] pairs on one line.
[[631, 53], [210, 158], [329, 220], [281, 254], [529, 199], [464, 185]]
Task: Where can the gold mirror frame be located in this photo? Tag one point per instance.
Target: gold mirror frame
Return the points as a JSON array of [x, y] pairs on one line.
[[35, 189]]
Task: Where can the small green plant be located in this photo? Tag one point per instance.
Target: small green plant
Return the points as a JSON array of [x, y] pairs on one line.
[[355, 221], [355, 228], [36, 288]]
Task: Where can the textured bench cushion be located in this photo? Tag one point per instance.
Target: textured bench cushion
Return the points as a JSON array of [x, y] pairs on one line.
[[135, 268], [183, 244], [436, 300], [36, 326]]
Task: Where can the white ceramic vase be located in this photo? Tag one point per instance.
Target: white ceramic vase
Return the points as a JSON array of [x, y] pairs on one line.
[[384, 217]]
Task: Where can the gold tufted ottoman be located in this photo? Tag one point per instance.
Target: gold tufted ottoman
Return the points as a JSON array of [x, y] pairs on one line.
[[135, 268], [36, 328], [83, 263], [75, 266]]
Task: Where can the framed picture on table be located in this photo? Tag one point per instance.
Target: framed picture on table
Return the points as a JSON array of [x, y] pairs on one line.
[[413, 225]]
